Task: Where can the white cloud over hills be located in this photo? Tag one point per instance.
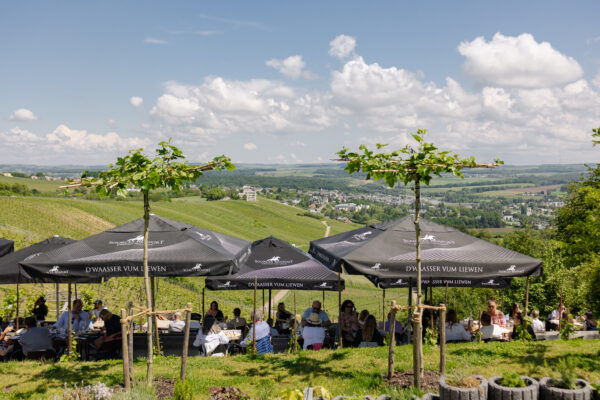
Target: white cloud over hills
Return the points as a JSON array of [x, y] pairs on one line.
[[23, 114]]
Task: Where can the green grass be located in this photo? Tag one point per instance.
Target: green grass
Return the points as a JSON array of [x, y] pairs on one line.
[[348, 371], [41, 185]]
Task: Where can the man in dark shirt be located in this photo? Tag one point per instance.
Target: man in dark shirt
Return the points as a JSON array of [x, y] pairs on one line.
[[112, 328]]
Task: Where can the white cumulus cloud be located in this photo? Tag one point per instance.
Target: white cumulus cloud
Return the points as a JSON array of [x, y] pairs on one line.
[[291, 67], [342, 46], [23, 114], [250, 146], [519, 61], [136, 101]]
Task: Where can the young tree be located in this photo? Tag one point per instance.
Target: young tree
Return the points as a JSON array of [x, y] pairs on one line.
[[410, 165], [136, 170]]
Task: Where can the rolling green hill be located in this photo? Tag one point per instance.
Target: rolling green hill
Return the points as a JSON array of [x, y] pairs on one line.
[[27, 220]]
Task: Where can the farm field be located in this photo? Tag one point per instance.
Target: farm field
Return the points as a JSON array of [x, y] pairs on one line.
[[41, 185], [348, 371]]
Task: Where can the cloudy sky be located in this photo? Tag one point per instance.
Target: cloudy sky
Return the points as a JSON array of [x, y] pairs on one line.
[[283, 82]]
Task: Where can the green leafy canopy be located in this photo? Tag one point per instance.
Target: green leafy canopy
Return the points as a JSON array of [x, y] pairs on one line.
[[166, 170], [409, 164]]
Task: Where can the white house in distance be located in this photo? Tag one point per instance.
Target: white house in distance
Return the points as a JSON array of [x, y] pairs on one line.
[[249, 192]]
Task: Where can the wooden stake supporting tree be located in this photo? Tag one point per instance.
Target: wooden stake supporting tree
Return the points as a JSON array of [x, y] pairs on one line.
[[410, 165], [136, 170]]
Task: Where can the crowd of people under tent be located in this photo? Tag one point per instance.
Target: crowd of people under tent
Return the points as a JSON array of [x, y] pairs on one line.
[[314, 331]]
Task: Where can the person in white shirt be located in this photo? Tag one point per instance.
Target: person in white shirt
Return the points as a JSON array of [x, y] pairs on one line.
[[553, 321], [95, 314], [536, 324], [454, 330], [177, 325], [80, 320], [489, 330], [313, 333], [210, 335]]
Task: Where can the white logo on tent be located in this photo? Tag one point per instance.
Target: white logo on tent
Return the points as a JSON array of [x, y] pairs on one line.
[[377, 267], [398, 282], [227, 284], [203, 236], [428, 237], [491, 282], [197, 267], [362, 236], [56, 270], [275, 260], [511, 270]]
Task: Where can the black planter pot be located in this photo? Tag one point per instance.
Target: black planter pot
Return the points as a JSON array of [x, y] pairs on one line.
[[498, 392], [548, 392], [449, 392]]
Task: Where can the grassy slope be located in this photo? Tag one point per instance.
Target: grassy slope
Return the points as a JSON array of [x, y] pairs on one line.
[[28, 220], [348, 371]]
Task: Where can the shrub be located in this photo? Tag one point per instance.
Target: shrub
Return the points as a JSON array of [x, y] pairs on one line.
[[512, 380]]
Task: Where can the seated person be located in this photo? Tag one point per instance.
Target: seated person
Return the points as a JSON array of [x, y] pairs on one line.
[[211, 336], [553, 320], [177, 325], [489, 330], [519, 321], [362, 317], [112, 328], [35, 339], [536, 324], [316, 308], [80, 319], [40, 309], [313, 333], [215, 312], [515, 309], [590, 324], [349, 324], [6, 344], [262, 335], [369, 333], [497, 316], [95, 314], [283, 319], [237, 322], [454, 330], [399, 329]]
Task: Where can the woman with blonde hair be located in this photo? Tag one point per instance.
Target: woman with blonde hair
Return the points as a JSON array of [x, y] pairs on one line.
[[370, 333]]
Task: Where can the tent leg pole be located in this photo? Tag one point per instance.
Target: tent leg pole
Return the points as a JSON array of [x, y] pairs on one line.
[[409, 299], [57, 303], [18, 309], [254, 319], [203, 303], [323, 300], [270, 303], [263, 303], [340, 309], [70, 334], [446, 295], [75, 291], [295, 328], [154, 319], [383, 306], [502, 302], [527, 296]]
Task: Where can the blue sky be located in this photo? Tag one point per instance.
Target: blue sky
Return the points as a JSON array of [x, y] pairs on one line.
[[274, 82]]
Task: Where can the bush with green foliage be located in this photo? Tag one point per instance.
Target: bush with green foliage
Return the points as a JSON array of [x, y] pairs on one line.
[[565, 376], [512, 379], [183, 390]]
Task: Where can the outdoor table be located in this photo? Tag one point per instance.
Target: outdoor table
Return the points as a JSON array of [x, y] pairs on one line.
[[233, 334]]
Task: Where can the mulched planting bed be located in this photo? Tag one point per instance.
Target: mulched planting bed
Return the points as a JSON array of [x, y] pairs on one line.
[[404, 379], [165, 387]]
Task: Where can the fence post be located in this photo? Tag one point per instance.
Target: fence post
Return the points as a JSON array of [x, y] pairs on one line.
[[392, 340], [70, 335], [130, 339], [124, 350], [443, 339], [186, 341]]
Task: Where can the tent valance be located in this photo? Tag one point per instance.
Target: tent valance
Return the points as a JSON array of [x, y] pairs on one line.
[[6, 246]]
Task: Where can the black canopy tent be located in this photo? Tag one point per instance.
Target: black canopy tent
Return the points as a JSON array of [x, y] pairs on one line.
[[6, 246], [387, 251], [174, 249], [275, 264], [386, 254]]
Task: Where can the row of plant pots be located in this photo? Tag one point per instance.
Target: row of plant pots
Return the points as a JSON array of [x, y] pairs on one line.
[[513, 387]]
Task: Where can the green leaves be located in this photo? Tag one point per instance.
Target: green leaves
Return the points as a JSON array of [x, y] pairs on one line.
[[409, 164], [136, 170], [596, 135]]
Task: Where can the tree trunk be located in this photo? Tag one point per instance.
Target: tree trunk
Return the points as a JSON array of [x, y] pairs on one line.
[[392, 342], [147, 288], [418, 330], [254, 319]]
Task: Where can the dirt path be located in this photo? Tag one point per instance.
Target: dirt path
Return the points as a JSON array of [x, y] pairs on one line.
[[328, 228]]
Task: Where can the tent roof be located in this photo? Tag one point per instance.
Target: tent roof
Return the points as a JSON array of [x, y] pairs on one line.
[[388, 251], [9, 264], [174, 249], [275, 264], [6, 246]]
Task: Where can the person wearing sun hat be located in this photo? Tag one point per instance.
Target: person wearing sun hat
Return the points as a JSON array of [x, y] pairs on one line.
[[313, 332]]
